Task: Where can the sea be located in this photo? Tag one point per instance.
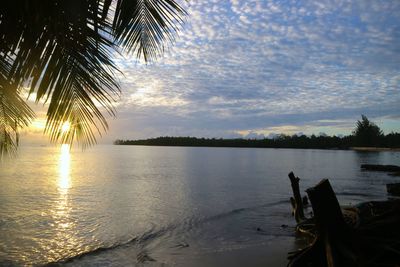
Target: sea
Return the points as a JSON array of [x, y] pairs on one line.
[[167, 206]]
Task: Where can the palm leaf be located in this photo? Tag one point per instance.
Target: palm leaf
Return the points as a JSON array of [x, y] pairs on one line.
[[14, 114], [61, 50], [143, 26]]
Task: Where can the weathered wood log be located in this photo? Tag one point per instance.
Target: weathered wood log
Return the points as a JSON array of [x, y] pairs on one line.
[[329, 245], [296, 201], [330, 223], [327, 212], [379, 234], [374, 241], [383, 168], [393, 189]]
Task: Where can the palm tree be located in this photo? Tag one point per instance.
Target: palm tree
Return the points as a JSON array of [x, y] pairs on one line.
[[61, 52]]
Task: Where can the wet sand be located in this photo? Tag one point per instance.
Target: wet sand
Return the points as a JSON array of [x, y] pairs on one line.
[[272, 253]]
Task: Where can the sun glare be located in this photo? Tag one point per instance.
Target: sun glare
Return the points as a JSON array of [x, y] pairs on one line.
[[65, 127], [38, 124]]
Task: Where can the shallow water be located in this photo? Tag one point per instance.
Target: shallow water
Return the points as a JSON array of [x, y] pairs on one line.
[[120, 205]]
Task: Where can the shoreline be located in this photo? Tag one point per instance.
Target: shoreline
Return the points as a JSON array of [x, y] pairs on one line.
[[375, 149], [273, 252], [358, 149]]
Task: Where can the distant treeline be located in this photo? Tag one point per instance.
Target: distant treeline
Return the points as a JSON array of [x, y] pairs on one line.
[[365, 134], [391, 140]]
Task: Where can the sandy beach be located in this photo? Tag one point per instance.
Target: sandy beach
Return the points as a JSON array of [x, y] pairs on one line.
[[271, 253]]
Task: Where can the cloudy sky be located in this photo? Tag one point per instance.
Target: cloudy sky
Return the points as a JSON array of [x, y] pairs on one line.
[[257, 67]]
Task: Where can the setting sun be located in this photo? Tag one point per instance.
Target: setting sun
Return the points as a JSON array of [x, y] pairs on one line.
[[169, 132], [65, 127]]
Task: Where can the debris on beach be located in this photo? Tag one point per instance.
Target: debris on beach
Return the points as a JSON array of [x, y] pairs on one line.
[[364, 235], [393, 189], [143, 257], [381, 168]]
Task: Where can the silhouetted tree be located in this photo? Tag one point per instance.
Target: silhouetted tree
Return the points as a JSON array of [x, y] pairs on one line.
[[367, 133]]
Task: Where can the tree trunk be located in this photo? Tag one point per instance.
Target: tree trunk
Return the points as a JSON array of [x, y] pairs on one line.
[[330, 247], [297, 202], [327, 212]]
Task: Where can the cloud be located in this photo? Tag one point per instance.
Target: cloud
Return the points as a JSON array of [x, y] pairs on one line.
[[251, 66]]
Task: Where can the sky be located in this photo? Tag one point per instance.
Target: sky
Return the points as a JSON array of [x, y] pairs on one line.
[[255, 68]]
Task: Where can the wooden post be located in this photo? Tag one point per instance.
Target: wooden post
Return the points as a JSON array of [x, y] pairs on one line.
[[297, 203], [332, 229], [327, 212]]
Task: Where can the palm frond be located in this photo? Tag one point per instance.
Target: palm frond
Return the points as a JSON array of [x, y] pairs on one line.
[[82, 86], [61, 50], [143, 26], [14, 114]]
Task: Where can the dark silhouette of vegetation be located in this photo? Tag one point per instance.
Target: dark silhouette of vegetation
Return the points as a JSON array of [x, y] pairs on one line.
[[391, 140], [61, 52], [365, 134]]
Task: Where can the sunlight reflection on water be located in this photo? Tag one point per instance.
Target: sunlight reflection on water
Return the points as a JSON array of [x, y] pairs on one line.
[[64, 180], [172, 203], [64, 225]]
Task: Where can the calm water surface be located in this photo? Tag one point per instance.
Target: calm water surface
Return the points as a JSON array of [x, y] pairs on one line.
[[120, 205]]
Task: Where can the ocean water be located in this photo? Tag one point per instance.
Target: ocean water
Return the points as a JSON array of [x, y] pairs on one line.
[[166, 206]]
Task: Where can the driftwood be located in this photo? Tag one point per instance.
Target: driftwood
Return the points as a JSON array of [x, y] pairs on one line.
[[296, 200], [393, 189], [374, 240], [382, 168], [328, 245]]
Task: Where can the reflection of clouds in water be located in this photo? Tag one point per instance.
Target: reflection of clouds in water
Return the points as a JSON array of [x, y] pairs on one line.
[[117, 193]]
